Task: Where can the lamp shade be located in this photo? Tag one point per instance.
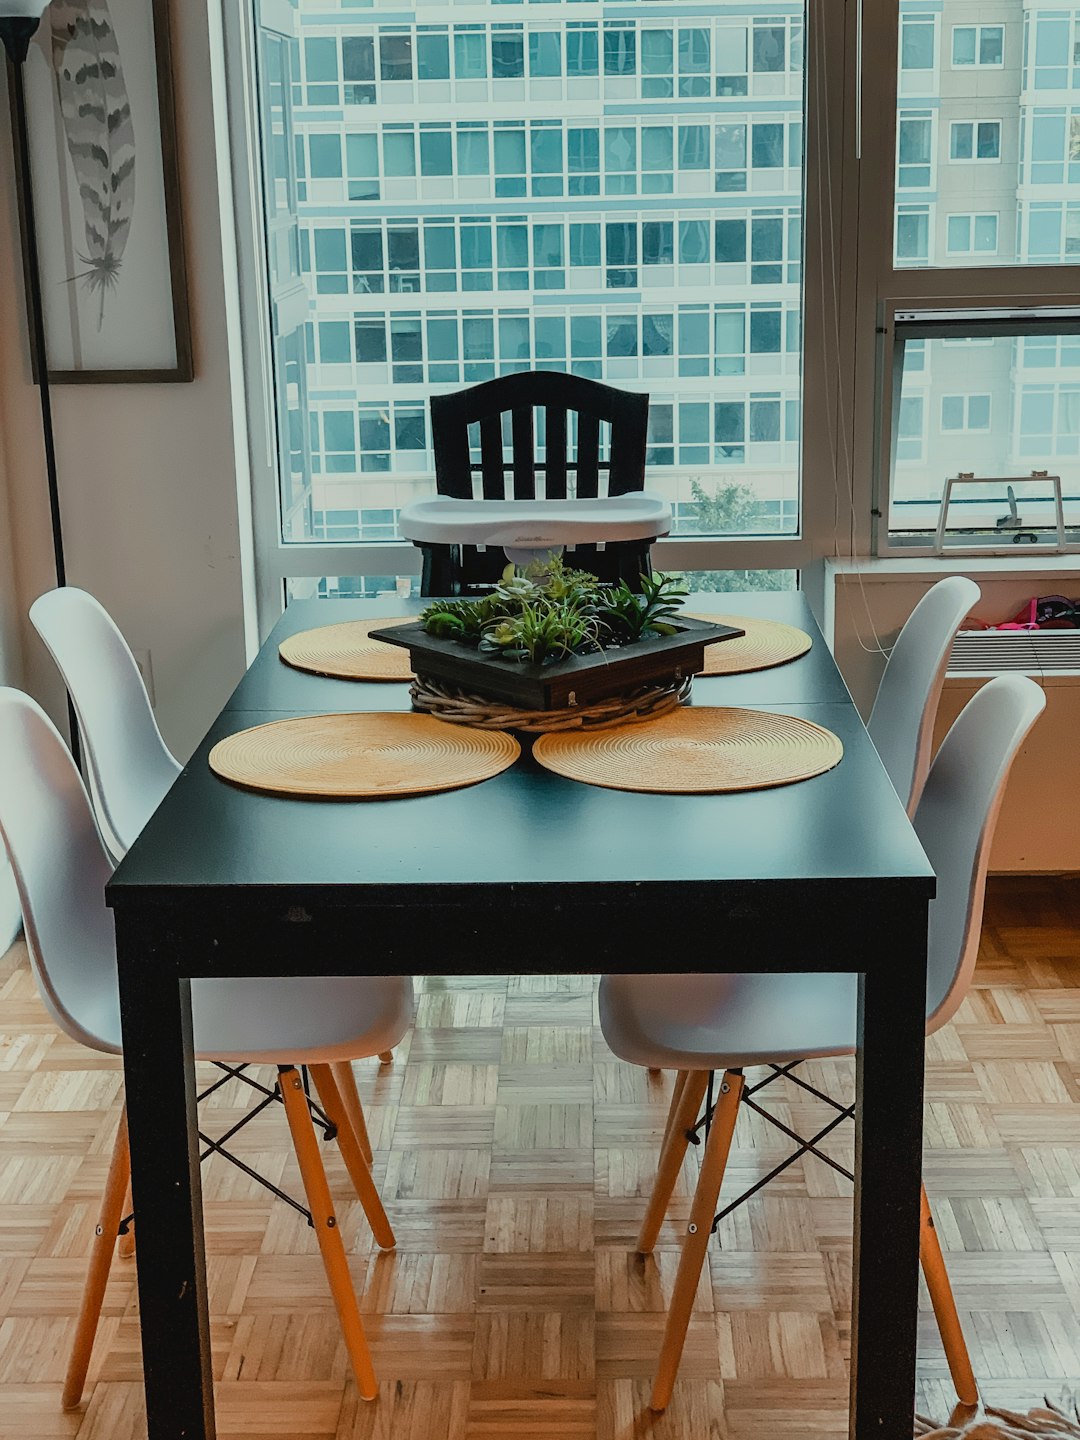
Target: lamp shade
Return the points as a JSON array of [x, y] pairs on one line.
[[23, 9]]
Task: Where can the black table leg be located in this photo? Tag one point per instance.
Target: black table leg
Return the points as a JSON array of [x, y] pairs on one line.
[[888, 1172], [159, 1077]]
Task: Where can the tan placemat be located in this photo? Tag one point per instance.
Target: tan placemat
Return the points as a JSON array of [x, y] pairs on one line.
[[353, 757], [699, 750], [766, 643], [346, 651]]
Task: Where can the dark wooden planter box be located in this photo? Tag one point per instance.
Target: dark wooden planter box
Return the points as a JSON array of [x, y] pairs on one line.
[[577, 681]]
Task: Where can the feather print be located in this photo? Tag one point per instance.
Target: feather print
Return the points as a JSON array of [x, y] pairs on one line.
[[100, 137]]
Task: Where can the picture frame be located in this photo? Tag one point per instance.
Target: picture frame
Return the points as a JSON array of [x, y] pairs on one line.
[[106, 194]]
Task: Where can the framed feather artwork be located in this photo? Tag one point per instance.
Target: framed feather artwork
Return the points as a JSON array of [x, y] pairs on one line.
[[102, 133]]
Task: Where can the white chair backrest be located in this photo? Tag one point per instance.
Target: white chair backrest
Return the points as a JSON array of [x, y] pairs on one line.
[[955, 821], [901, 723], [129, 765], [60, 869]]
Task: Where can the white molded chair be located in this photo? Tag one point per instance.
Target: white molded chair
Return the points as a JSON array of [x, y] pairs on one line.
[[61, 869], [901, 724], [697, 1024], [129, 765]]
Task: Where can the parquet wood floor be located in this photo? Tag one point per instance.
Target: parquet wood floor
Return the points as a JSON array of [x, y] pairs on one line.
[[513, 1153]]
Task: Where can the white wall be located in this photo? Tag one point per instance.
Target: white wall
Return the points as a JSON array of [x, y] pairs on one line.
[[148, 473]]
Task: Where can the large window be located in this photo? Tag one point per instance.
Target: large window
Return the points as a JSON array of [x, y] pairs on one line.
[[620, 198], [624, 196], [977, 360]]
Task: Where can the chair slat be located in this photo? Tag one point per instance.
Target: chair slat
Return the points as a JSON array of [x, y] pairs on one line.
[[450, 438], [588, 456], [555, 455], [491, 457], [524, 450]]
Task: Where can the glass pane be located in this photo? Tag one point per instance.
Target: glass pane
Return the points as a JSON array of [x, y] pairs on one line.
[[985, 130], [995, 407], [373, 587], [432, 57], [615, 194]]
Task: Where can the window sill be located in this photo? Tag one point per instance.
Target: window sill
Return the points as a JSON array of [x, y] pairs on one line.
[[904, 568]]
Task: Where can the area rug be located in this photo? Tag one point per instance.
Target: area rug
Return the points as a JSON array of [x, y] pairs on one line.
[[1048, 1421]]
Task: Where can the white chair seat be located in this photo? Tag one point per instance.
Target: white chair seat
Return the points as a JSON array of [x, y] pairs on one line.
[[287, 1020], [723, 1022]]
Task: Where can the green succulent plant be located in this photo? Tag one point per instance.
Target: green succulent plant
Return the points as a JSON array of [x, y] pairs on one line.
[[629, 617], [549, 611]]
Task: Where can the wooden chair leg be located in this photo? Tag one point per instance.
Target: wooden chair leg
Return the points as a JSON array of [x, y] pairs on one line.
[[353, 1156], [350, 1097], [681, 1077], [386, 1057], [699, 1229], [97, 1275], [125, 1246], [685, 1104], [326, 1230], [941, 1297]]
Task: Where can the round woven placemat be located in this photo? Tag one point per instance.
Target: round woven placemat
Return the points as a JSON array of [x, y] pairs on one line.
[[365, 756], [766, 643], [346, 651], [703, 750]]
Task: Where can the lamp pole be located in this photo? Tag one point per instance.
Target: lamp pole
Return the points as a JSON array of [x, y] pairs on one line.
[[19, 20]]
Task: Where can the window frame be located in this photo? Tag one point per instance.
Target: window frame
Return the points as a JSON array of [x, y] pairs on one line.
[[977, 64], [828, 508], [951, 301]]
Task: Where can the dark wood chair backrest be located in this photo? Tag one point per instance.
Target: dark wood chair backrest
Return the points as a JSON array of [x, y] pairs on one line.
[[556, 394]]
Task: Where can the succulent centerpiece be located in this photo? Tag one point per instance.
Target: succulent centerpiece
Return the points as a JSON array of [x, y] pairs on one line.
[[551, 646], [548, 612]]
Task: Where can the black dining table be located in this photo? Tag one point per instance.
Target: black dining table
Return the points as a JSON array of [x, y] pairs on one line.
[[825, 875]]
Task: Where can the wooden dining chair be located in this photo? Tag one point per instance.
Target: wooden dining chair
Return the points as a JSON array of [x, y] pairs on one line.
[[61, 868], [720, 1023], [541, 434]]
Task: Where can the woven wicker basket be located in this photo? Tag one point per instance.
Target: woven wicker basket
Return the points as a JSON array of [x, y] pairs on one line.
[[459, 708]]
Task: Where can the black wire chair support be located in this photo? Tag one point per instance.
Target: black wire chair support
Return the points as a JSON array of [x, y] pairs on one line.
[[270, 1096], [803, 1146]]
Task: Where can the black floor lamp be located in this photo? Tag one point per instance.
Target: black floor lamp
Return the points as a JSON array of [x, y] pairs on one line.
[[19, 20]]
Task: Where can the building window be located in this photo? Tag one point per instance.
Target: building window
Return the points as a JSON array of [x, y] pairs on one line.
[[972, 234], [979, 45], [975, 140], [910, 431], [913, 234], [395, 57], [1048, 51], [914, 150], [965, 412], [917, 37], [1049, 421]]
